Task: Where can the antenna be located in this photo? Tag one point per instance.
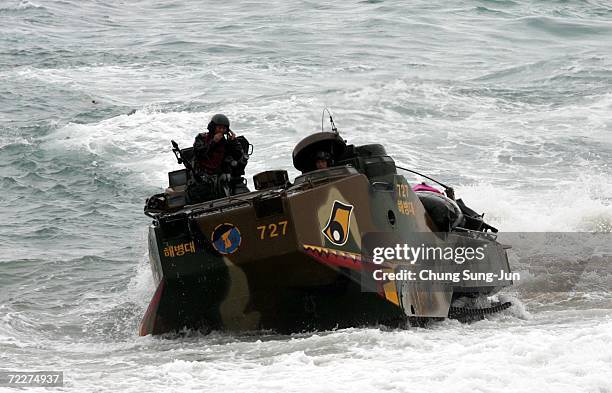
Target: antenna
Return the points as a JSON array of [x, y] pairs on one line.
[[331, 120], [450, 192]]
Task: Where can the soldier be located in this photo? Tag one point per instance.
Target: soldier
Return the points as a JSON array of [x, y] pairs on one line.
[[219, 159], [213, 148], [322, 159]]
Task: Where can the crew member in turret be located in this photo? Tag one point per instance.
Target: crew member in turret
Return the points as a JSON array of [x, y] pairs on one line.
[[322, 160]]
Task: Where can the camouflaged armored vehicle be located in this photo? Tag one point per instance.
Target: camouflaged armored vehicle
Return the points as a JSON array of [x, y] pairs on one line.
[[291, 256]]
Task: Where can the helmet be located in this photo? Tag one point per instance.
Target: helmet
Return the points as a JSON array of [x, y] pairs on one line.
[[322, 155], [218, 119]]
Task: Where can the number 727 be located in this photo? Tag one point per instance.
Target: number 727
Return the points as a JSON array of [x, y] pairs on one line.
[[272, 230]]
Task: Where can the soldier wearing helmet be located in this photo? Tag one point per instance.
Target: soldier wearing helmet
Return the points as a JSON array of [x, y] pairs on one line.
[[322, 160], [220, 154], [216, 147]]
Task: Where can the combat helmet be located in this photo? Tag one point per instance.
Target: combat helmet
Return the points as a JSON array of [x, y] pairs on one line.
[[322, 155], [218, 119]]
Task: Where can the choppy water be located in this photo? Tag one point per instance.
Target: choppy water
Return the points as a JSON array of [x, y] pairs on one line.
[[510, 101]]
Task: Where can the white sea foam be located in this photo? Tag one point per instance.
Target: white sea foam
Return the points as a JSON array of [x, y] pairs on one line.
[[506, 356], [140, 144], [577, 207]]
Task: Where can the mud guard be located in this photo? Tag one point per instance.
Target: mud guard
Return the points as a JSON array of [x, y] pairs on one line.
[[151, 322]]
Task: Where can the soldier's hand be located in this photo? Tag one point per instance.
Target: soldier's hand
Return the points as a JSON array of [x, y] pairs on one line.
[[231, 134], [218, 136]]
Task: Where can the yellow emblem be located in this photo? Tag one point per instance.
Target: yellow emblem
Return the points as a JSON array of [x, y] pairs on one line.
[[337, 228], [226, 238]]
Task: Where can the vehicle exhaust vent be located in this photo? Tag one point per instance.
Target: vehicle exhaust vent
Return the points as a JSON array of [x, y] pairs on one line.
[[268, 207], [174, 226], [271, 179]]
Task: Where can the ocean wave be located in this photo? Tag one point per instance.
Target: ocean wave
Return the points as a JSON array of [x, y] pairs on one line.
[[563, 28], [21, 5]]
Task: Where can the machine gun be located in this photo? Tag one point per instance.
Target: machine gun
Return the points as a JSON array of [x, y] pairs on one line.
[[181, 160], [232, 180]]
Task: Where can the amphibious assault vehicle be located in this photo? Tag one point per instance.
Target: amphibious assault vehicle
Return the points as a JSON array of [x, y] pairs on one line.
[[297, 256]]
